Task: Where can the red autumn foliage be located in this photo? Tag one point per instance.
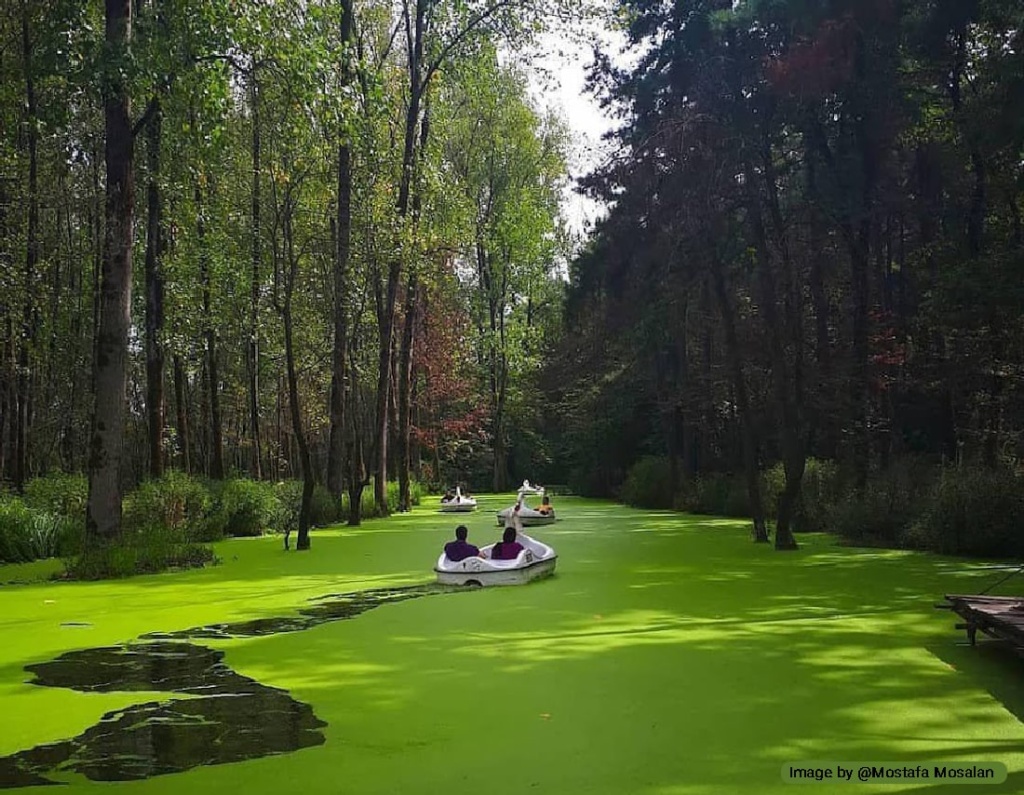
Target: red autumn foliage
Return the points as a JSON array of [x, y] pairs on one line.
[[450, 406], [887, 352], [815, 67]]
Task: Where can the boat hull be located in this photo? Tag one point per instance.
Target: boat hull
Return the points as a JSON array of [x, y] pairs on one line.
[[520, 576], [527, 518], [460, 507]]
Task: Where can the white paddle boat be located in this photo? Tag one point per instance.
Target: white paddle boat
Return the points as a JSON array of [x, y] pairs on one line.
[[535, 561], [458, 503], [529, 517]]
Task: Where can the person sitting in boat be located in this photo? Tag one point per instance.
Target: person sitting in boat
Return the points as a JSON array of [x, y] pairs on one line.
[[545, 506], [508, 548], [449, 495], [460, 549]]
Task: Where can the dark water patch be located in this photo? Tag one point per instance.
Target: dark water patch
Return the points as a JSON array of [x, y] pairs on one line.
[[165, 667], [222, 717], [332, 607], [234, 718]]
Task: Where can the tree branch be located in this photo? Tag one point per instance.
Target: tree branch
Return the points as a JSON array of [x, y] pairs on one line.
[[459, 37]]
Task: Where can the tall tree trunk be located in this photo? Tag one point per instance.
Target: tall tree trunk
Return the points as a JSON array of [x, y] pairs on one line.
[[855, 226], [785, 380], [500, 393], [824, 421], [181, 404], [336, 452], [385, 323], [976, 213], [210, 333], [253, 359], [155, 245], [405, 375], [416, 31], [355, 464], [29, 313], [302, 542], [495, 356], [7, 397], [103, 513], [859, 267], [405, 366], [750, 468], [415, 448], [343, 229]]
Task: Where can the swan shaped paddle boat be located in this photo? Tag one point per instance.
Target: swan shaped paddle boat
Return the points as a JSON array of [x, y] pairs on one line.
[[458, 503], [529, 517], [536, 560]]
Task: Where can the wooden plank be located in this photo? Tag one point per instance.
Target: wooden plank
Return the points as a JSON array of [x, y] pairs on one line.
[[999, 617]]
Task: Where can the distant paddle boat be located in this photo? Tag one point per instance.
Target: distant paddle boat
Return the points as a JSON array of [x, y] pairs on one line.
[[529, 517], [458, 503], [535, 561]]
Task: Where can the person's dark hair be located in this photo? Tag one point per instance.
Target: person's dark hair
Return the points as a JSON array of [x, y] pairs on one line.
[[461, 532], [509, 535]]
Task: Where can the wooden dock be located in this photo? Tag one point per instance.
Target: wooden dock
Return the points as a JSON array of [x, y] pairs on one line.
[[998, 617]]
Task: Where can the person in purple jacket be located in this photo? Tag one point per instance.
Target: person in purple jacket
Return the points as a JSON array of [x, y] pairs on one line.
[[460, 549], [508, 548]]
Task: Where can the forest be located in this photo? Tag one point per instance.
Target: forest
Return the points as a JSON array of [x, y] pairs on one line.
[[256, 253]]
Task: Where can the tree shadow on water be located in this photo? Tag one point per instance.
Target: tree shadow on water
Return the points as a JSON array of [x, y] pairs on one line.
[[991, 664]]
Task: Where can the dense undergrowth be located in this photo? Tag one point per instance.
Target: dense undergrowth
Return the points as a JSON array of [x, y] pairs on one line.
[[166, 522], [910, 505]]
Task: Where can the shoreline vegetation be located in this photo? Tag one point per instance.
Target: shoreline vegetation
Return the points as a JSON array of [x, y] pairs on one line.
[[912, 504], [170, 522]]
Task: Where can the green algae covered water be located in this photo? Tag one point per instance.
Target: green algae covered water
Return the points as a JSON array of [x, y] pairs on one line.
[[667, 655]]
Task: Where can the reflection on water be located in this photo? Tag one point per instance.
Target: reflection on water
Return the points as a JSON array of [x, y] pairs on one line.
[[224, 716], [233, 718]]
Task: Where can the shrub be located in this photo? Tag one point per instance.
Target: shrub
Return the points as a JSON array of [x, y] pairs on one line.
[[15, 519], [648, 484], [247, 507], [415, 493], [27, 534], [58, 493], [819, 493], [287, 504], [323, 509], [368, 508], [175, 501], [146, 550], [717, 493], [890, 502], [972, 512], [284, 517]]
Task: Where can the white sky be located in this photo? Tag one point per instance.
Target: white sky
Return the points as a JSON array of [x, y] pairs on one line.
[[557, 82]]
